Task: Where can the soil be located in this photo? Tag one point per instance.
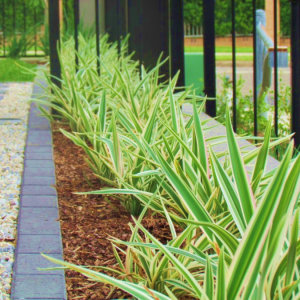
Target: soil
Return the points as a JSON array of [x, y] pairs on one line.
[[87, 220]]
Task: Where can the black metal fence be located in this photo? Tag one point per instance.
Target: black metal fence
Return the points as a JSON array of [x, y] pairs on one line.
[[21, 28], [157, 26]]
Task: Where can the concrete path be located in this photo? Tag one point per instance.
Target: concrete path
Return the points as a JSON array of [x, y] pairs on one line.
[[247, 74]]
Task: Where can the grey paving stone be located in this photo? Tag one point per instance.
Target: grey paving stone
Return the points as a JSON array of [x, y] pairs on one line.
[[28, 264], [38, 149], [39, 164], [38, 220], [38, 287], [37, 156], [38, 201], [38, 225], [34, 105], [38, 172], [49, 244], [35, 180], [40, 126], [39, 138], [36, 112], [36, 118], [43, 190]]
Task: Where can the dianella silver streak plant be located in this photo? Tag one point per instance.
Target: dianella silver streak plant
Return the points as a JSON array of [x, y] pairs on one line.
[[240, 229]]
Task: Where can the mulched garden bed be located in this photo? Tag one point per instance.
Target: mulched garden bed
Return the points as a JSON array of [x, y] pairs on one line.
[[87, 220]]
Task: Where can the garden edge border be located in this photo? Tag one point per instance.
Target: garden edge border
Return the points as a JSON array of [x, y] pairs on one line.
[[38, 228]]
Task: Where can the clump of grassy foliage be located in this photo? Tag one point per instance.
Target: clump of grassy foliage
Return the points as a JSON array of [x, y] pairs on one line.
[[240, 236]]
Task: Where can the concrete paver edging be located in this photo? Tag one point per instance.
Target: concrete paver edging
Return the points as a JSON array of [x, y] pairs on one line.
[[38, 225]]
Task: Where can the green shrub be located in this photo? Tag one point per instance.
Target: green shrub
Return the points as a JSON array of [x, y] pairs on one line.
[[238, 241], [251, 252], [245, 108]]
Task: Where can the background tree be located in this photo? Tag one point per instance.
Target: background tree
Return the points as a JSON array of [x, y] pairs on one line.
[[193, 15]]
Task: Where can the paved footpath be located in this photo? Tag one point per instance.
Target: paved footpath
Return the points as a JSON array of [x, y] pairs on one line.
[[38, 225], [247, 74]]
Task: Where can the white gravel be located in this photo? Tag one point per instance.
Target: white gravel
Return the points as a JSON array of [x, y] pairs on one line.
[[15, 106]]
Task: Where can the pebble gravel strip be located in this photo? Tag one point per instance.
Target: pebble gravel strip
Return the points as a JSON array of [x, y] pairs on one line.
[[14, 110]]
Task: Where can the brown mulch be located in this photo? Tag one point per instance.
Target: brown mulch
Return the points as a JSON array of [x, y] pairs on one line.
[[87, 220]]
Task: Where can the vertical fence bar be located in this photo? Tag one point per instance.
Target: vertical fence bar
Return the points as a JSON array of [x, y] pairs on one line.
[[35, 32], [4, 27], [254, 67], [67, 15], [295, 56], [150, 38], [119, 25], [66, 12], [24, 22], [164, 38], [54, 37], [76, 23], [233, 66], [275, 69], [97, 36], [209, 55], [14, 16], [135, 28], [177, 40], [111, 20]]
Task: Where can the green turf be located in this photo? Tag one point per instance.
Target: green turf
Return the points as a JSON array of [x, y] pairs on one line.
[[13, 70], [224, 57], [222, 49]]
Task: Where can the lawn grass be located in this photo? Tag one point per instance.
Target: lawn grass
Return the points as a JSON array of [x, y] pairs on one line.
[[13, 71], [224, 57], [222, 49]]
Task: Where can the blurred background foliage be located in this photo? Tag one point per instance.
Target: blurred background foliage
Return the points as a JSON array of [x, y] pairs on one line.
[[34, 12], [193, 15]]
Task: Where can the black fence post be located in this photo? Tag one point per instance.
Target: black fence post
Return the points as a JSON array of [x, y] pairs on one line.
[[275, 68], [115, 19], [3, 28], [14, 16], [35, 33], [177, 40], [234, 123], [295, 60], [24, 22], [119, 16], [148, 25], [209, 55], [76, 23], [54, 37], [135, 29], [97, 35], [254, 21]]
